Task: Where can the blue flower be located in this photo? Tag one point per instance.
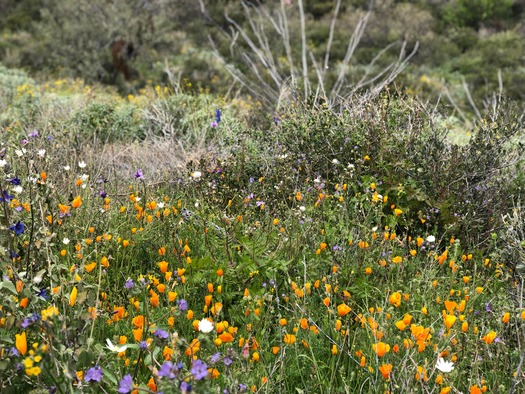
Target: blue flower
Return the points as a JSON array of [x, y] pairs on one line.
[[18, 228], [125, 385], [94, 374], [14, 181], [199, 369], [218, 115]]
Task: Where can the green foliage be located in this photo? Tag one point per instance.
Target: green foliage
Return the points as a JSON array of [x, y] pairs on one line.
[[473, 13]]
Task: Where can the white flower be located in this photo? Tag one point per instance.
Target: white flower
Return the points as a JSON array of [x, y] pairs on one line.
[[67, 168], [82, 164], [18, 189], [302, 208], [205, 326], [197, 174], [19, 152], [65, 241], [335, 161], [3, 163], [374, 229], [431, 238], [444, 366], [41, 152], [115, 348], [84, 177], [160, 205]]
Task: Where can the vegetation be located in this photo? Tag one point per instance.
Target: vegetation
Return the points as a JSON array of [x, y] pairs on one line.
[[261, 222]]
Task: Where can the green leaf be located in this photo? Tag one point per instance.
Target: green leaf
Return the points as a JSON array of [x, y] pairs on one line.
[[9, 286]]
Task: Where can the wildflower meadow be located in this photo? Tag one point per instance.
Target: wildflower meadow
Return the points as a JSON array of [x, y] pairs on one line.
[[175, 241]]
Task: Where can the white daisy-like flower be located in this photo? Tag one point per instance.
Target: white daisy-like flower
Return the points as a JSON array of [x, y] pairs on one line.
[[82, 164], [67, 168], [160, 205], [205, 326], [197, 174], [431, 238], [444, 366], [302, 208], [20, 152], [84, 177], [18, 189], [335, 161], [115, 348], [65, 241], [3, 163], [41, 153]]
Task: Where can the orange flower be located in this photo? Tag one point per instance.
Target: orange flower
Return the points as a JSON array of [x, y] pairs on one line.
[[24, 302], [385, 370], [289, 339], [21, 343], [381, 348], [77, 202], [90, 267], [506, 318], [450, 306], [193, 348], [226, 337], [397, 259], [395, 299], [138, 321], [304, 323], [343, 310], [475, 389], [489, 338], [163, 266]]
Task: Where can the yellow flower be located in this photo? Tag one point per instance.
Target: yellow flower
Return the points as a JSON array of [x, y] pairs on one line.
[[397, 259], [398, 211], [21, 343], [449, 320], [73, 296]]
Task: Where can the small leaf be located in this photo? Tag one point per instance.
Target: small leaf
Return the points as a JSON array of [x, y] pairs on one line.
[[9, 286]]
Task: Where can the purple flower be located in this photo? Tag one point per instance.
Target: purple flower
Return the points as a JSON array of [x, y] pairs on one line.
[[5, 196], [139, 175], [199, 369], [33, 134], [14, 181], [227, 361], [161, 334], [168, 370], [218, 115], [125, 385], [242, 387], [129, 284], [185, 387], [102, 193], [183, 304], [94, 374], [143, 345], [18, 228], [213, 124], [215, 358]]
